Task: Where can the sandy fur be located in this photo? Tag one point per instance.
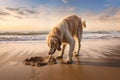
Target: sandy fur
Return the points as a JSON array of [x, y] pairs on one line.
[[68, 31]]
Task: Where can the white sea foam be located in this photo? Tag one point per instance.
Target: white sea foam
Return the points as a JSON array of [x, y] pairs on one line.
[[42, 37]]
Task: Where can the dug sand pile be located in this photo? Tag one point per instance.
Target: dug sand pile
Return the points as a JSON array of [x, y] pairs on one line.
[[39, 61]]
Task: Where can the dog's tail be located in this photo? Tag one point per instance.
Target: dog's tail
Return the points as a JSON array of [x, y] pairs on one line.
[[83, 23]]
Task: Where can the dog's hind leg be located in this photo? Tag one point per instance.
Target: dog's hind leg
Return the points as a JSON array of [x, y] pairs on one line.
[[78, 39], [60, 56], [76, 46], [76, 53]]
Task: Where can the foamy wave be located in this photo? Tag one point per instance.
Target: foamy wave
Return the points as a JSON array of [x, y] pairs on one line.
[[42, 37], [101, 35]]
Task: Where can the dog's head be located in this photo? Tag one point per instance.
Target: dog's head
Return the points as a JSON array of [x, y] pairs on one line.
[[54, 44]]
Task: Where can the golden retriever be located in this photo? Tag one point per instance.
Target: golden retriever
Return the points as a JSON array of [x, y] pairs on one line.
[[67, 31]]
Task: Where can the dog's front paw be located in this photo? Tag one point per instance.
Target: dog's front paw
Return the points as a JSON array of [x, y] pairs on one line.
[[59, 57], [76, 54], [68, 62]]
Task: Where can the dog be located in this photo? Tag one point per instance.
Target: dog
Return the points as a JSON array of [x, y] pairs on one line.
[[68, 31]]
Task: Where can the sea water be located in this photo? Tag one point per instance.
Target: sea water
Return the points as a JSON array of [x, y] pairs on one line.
[[42, 37]]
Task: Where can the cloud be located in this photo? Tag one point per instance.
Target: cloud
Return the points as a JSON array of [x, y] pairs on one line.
[[30, 11], [12, 9], [22, 11], [9, 13], [105, 20], [39, 18], [110, 15], [26, 12], [2, 13], [19, 17], [44, 17], [65, 1]]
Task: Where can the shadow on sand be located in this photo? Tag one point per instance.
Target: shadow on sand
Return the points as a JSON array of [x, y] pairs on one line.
[[98, 62]]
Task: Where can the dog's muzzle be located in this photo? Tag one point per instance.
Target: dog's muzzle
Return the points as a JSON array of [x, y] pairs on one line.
[[51, 51]]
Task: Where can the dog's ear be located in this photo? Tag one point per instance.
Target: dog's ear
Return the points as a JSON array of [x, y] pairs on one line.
[[47, 38], [59, 42], [57, 31], [59, 45], [55, 40]]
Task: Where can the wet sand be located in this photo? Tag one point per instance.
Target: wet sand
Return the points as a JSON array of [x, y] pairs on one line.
[[98, 60]]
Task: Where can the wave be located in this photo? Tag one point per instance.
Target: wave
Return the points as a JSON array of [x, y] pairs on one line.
[[101, 35], [42, 36]]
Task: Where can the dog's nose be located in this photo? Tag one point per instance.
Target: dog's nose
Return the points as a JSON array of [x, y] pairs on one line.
[[59, 49], [49, 52]]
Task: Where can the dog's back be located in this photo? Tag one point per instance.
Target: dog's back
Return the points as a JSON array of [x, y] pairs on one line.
[[74, 24]]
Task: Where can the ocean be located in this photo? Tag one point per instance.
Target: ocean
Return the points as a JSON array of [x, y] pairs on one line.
[[42, 36]]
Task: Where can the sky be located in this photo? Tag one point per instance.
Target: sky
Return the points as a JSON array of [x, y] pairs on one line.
[[42, 15]]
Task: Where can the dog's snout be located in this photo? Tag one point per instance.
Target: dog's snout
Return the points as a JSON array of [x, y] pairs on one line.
[[49, 52]]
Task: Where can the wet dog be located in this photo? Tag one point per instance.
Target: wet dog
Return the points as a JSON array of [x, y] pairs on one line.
[[68, 31]]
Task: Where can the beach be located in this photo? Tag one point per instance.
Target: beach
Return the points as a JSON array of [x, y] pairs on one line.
[[34, 32], [99, 60]]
